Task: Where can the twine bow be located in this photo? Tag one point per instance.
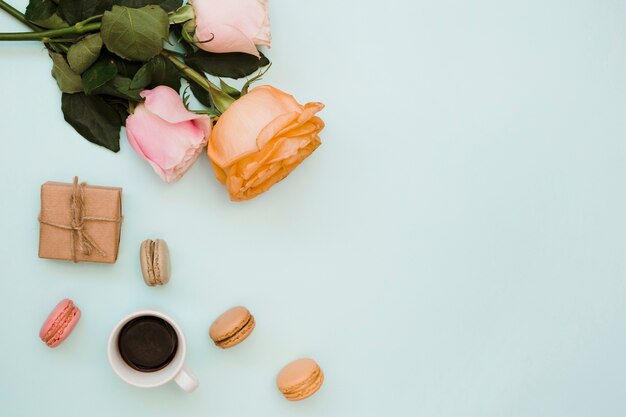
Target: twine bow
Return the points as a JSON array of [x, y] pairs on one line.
[[81, 241]]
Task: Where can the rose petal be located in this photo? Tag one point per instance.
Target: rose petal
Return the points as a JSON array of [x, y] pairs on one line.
[[179, 170], [248, 117], [204, 123], [278, 150], [166, 103], [160, 142], [240, 190], [224, 38], [310, 109], [248, 16], [313, 125], [220, 174], [275, 126], [264, 36]]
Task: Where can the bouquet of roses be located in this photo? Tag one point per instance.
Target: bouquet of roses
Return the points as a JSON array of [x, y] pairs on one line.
[[124, 63]]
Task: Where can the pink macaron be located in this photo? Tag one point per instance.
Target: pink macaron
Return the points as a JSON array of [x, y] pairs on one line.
[[60, 323]]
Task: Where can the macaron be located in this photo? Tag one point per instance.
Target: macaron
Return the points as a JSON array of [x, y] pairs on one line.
[[154, 257], [59, 323], [232, 327], [300, 379]]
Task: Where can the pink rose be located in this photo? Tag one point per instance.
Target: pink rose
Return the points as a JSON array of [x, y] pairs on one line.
[[164, 133], [233, 25]]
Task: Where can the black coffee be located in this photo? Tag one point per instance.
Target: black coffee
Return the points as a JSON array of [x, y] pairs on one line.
[[147, 343]]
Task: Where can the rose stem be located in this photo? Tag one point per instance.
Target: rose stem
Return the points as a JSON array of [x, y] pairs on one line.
[[78, 29], [189, 72]]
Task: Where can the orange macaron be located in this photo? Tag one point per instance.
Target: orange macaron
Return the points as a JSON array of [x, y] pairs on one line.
[[300, 379], [232, 327]]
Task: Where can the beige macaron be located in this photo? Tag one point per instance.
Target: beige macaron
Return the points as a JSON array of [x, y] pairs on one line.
[[154, 257], [300, 379], [232, 327]]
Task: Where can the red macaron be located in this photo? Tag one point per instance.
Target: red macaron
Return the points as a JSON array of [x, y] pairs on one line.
[[60, 323]]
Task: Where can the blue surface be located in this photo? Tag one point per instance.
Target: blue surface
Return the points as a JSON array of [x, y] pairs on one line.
[[455, 248]]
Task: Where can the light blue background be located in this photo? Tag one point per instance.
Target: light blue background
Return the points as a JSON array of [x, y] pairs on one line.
[[455, 248]]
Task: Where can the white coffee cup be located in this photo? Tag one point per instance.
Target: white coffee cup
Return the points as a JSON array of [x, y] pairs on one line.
[[176, 370]]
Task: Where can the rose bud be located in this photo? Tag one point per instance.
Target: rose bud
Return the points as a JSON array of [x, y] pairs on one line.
[[164, 133], [260, 139]]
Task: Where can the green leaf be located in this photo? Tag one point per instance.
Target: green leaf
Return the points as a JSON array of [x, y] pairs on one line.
[[74, 11], [92, 117], [124, 67], [157, 71], [120, 106], [201, 94], [52, 22], [84, 53], [40, 10], [98, 75], [229, 65], [164, 73], [120, 87], [182, 14], [135, 34], [167, 5], [67, 80], [233, 92], [123, 86], [142, 77], [44, 13]]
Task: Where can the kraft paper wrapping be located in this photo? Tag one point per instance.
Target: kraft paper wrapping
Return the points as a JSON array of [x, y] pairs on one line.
[[100, 223]]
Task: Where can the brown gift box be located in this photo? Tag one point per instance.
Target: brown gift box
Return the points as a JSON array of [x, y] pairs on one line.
[[80, 222]]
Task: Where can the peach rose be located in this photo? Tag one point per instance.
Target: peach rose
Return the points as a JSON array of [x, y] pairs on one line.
[[260, 139]]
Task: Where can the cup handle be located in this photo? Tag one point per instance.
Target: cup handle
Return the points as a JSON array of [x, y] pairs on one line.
[[186, 379]]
